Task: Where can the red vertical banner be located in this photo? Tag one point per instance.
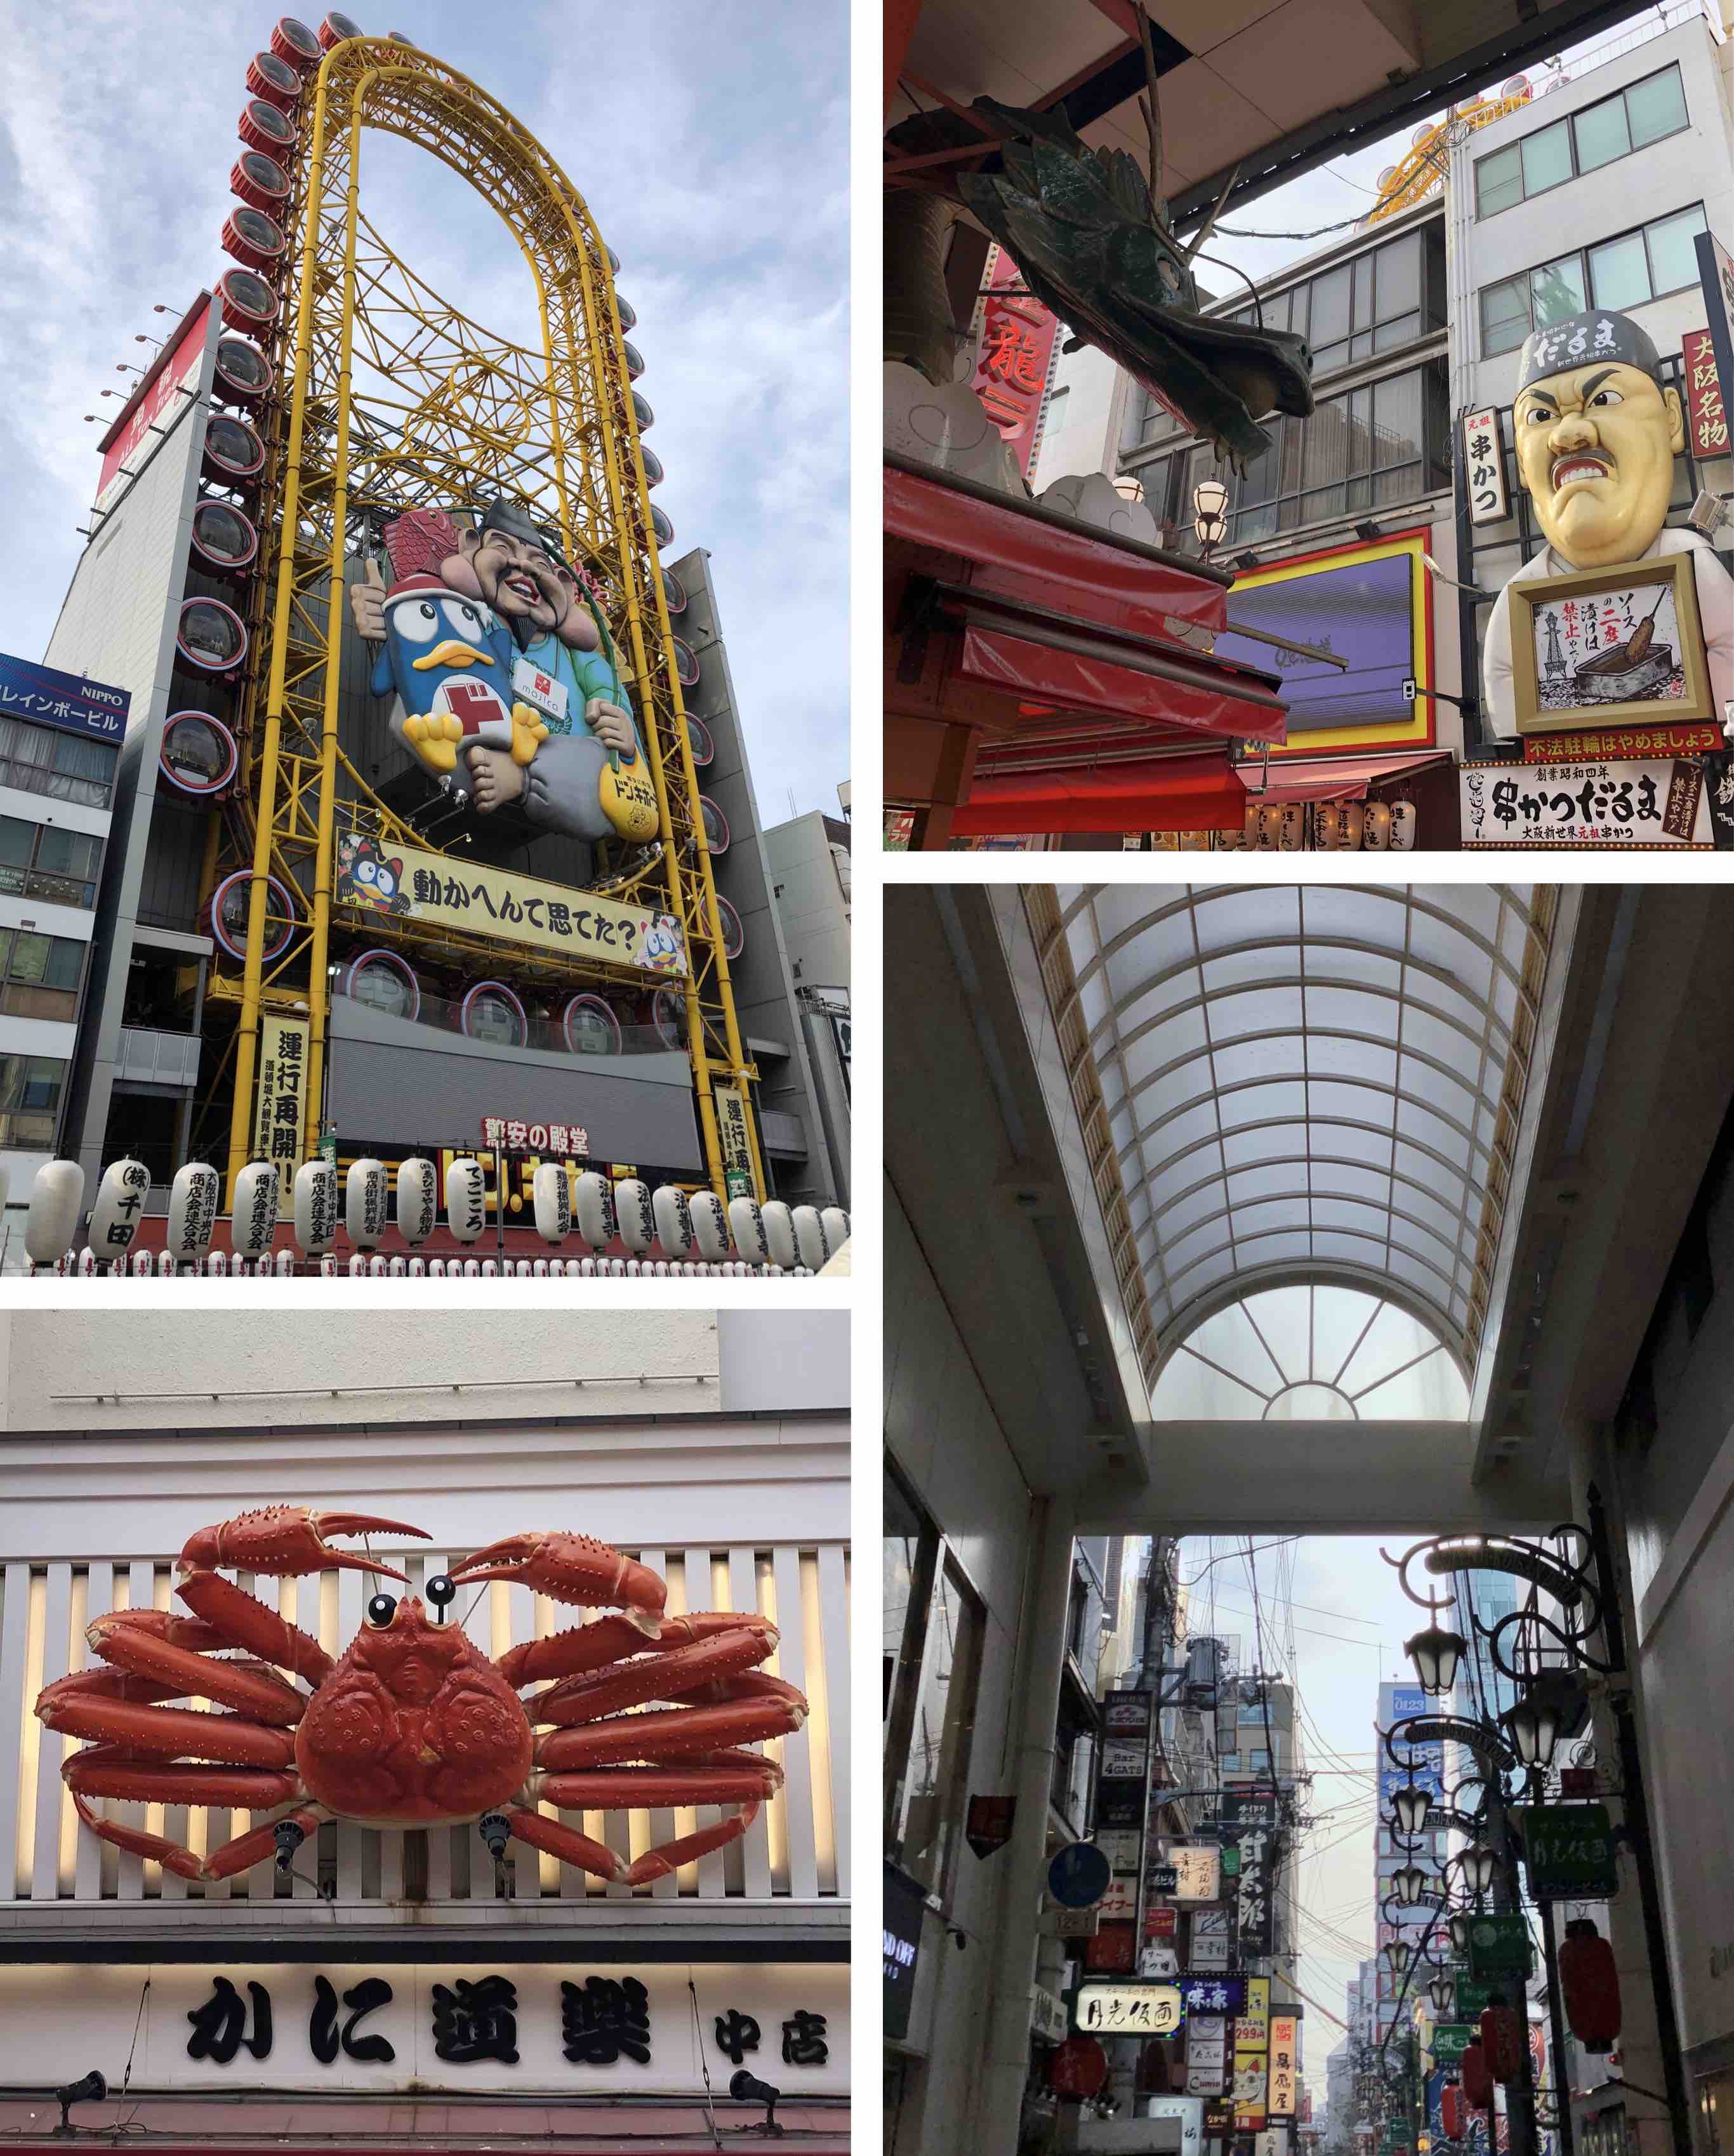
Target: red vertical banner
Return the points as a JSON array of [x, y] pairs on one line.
[[1010, 374], [1706, 412]]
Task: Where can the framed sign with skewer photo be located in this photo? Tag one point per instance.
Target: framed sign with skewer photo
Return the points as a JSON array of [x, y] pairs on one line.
[[1617, 646]]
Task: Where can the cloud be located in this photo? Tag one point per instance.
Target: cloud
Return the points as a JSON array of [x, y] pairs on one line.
[[711, 147]]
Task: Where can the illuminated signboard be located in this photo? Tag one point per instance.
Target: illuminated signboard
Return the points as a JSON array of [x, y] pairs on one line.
[[1367, 604]]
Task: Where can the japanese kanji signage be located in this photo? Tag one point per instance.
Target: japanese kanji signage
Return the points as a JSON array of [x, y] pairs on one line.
[[1252, 2025], [1206, 2054], [546, 1141], [1198, 1869], [1647, 805], [1450, 2040], [1568, 1851], [1128, 2009], [1285, 2063], [1707, 414], [1498, 1946], [559, 2027], [1716, 278], [454, 892], [166, 386], [1011, 375], [68, 701], [1614, 743], [1208, 1994], [1484, 468], [731, 1135], [279, 1113]]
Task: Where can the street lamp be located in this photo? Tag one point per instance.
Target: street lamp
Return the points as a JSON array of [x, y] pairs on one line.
[[1479, 1863], [1435, 1654], [1410, 1807], [1460, 1932], [1443, 1992], [1396, 1952], [1410, 1883], [1210, 502], [1552, 1705]]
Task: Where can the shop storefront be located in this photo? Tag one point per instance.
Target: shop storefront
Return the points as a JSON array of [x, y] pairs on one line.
[[364, 1981]]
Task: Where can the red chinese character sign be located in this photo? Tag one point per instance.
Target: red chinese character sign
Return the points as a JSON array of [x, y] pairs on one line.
[[1017, 334], [1707, 414]]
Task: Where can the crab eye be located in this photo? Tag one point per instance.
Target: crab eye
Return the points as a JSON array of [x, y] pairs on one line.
[[382, 1610]]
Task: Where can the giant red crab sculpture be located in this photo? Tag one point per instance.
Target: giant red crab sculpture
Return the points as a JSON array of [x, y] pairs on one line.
[[413, 1726]]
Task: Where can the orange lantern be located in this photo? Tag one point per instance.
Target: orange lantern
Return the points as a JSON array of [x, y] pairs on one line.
[[1454, 2112], [1503, 2037], [1589, 1982], [1477, 2082]]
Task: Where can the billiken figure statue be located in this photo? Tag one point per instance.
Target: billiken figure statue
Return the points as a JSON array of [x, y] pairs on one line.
[[1596, 436], [469, 605]]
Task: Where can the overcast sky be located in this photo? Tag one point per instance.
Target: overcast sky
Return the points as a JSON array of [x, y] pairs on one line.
[[710, 145], [1350, 1621]]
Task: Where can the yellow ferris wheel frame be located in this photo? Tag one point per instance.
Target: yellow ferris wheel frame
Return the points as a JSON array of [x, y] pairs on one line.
[[1420, 174], [589, 465]]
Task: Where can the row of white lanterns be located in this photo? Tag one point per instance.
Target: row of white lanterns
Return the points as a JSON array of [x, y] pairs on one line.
[[664, 1232]]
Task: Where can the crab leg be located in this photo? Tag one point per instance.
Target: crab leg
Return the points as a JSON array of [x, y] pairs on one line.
[[240, 1855], [174, 1731], [565, 1842], [115, 1770], [654, 1676], [589, 1647], [253, 1689], [572, 1568], [666, 1733], [241, 1621]]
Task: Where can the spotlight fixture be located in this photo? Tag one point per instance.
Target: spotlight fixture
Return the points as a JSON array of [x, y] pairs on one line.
[[1435, 1654], [1247, 558], [1367, 530], [747, 2088], [92, 2089]]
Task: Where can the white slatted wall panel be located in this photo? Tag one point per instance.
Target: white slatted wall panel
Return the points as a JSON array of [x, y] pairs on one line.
[[798, 1847]]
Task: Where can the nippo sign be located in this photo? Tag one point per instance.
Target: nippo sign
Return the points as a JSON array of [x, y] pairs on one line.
[[1128, 2009]]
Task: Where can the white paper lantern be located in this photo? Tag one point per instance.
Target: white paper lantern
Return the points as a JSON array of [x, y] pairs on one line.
[[617, 1267], [217, 1264], [632, 1210], [586, 1268], [417, 1268], [835, 1223], [436, 1268], [710, 1226], [120, 1207], [357, 1266], [417, 1199], [466, 1198], [397, 1268], [1376, 827], [632, 1269], [1404, 825], [86, 1262], [239, 1265], [539, 1271], [491, 1268], [810, 1238], [747, 1225], [164, 1267], [253, 1223], [594, 1208], [367, 1193], [779, 1232], [673, 1219], [316, 1207], [472, 1269], [193, 1198], [551, 1192]]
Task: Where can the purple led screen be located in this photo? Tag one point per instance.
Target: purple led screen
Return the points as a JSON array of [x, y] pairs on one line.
[[1362, 612]]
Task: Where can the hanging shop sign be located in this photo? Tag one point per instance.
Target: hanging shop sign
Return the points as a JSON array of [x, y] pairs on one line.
[[1161, 1879], [67, 701], [1189, 2110], [447, 892], [988, 1826], [1252, 2025], [1205, 1992], [1011, 375], [1217, 2117], [1450, 2040], [1484, 465], [1213, 1938], [1161, 1962], [1126, 1714], [1127, 2010], [1256, 1901], [1122, 1771], [1120, 1846], [550, 2027], [280, 1112], [1568, 1851], [905, 1900], [1119, 1904], [1198, 1869], [1498, 1946], [1716, 279], [1206, 2055], [736, 1145], [1160, 1923], [1251, 2073], [1114, 1950], [1048, 2017], [1284, 2083], [1706, 411], [1637, 806]]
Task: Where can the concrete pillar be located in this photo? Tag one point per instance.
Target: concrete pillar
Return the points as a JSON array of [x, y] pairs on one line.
[[1034, 1712], [1592, 1461]]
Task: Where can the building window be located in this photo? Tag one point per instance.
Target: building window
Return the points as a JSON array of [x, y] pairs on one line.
[[1627, 271], [64, 766], [30, 1100], [47, 861], [1632, 118], [39, 975], [933, 1630]]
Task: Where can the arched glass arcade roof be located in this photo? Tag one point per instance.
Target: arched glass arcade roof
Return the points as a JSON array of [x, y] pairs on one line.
[[1311, 1082]]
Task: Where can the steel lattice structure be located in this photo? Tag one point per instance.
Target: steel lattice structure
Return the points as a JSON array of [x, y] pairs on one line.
[[389, 398]]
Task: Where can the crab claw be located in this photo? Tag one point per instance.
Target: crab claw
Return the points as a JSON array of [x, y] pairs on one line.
[[573, 1569], [290, 1539]]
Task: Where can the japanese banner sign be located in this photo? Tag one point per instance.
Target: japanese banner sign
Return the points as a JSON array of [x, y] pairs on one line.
[[1707, 414], [1645, 804], [1716, 279], [1568, 1851], [1206, 1993], [1484, 469], [1252, 2026], [1284, 2069], [569, 2027], [1128, 2009], [452, 892], [1206, 2055], [731, 1133], [1011, 375], [1122, 1774], [279, 1114], [1612, 743]]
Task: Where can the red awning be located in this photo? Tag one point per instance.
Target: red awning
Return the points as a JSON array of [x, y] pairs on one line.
[[1328, 777], [1171, 687], [1170, 793]]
